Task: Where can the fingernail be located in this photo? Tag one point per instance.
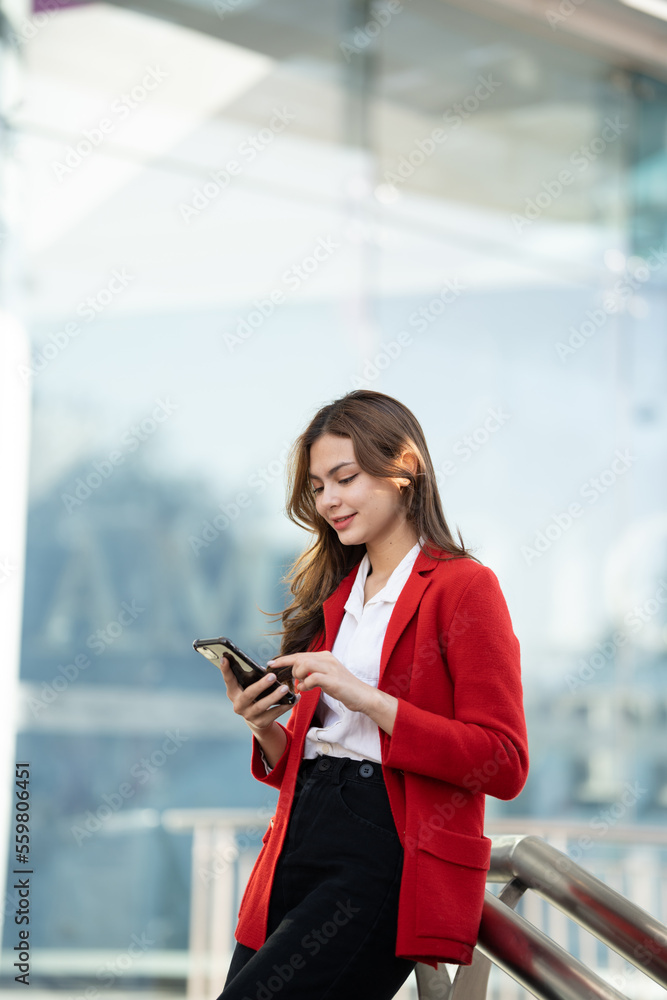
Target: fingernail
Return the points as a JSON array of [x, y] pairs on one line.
[[269, 662]]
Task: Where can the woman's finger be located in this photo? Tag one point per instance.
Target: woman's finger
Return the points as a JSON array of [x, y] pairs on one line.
[[252, 702], [311, 680], [228, 675], [263, 704]]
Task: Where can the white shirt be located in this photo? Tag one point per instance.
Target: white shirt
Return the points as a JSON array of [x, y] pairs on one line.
[[358, 646]]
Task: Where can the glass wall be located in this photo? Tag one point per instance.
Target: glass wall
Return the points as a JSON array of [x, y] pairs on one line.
[[238, 212]]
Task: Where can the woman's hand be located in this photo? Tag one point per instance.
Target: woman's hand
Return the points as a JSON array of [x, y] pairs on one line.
[[323, 670], [258, 715]]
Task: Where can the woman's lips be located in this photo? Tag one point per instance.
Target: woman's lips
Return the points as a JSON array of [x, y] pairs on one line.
[[338, 525]]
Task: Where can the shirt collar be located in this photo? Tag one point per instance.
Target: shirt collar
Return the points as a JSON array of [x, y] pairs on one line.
[[392, 588]]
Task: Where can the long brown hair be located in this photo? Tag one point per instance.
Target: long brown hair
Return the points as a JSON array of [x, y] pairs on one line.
[[381, 429]]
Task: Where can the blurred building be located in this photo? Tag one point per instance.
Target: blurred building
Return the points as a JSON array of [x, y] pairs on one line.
[[235, 212]]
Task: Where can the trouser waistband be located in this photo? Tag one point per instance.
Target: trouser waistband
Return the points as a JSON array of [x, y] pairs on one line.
[[338, 768]]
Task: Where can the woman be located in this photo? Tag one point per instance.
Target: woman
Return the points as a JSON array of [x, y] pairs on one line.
[[401, 649]]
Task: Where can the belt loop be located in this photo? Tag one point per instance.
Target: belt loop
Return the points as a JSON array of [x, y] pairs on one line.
[[338, 770]]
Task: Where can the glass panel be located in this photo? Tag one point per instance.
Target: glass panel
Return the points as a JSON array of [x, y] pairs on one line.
[[236, 213]]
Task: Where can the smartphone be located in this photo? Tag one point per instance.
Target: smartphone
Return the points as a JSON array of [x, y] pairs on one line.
[[243, 666]]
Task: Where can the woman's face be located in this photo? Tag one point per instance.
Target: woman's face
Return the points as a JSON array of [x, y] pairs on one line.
[[360, 508]]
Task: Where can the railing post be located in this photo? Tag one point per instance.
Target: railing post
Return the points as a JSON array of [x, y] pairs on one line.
[[199, 916], [433, 984]]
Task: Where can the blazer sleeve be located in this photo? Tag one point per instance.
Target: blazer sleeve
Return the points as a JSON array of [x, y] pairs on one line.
[[484, 746], [273, 777]]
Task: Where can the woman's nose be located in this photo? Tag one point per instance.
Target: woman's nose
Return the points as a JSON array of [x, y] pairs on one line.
[[329, 496]]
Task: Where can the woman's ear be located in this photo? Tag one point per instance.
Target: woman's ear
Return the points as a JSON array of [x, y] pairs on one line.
[[410, 459]]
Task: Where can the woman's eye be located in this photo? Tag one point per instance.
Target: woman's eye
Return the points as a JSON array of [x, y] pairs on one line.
[[343, 482]]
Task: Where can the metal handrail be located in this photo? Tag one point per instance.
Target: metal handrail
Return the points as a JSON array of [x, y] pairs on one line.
[[534, 960], [529, 956], [613, 919]]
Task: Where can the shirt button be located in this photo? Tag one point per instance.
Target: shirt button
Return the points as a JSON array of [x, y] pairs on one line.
[[326, 748]]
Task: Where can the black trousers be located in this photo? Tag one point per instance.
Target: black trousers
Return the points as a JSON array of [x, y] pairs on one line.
[[331, 929]]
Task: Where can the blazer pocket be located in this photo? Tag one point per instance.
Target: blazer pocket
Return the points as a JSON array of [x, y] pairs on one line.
[[451, 879]]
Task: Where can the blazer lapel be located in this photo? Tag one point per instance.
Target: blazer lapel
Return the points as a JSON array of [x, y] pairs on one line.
[[406, 606], [334, 609]]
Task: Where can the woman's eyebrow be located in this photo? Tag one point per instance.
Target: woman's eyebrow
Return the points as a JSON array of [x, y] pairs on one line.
[[331, 471]]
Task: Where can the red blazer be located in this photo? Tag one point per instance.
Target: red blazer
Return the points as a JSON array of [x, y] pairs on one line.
[[451, 658]]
